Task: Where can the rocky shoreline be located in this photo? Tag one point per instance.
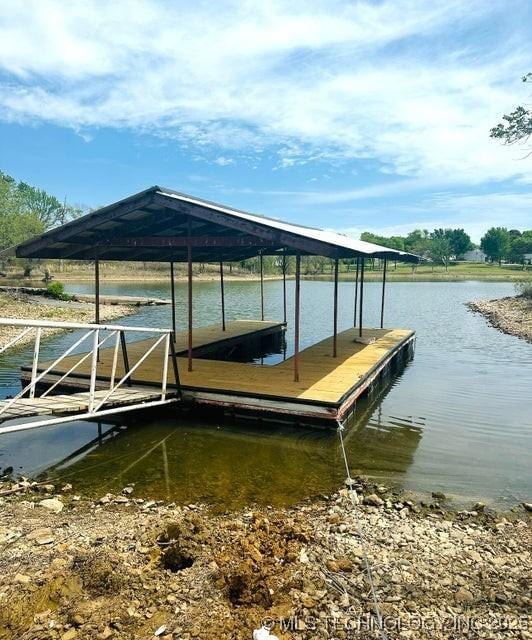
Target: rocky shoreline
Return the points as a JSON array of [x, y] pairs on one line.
[[125, 567], [512, 315], [33, 307]]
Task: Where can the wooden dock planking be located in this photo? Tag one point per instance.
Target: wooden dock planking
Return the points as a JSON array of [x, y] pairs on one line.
[[202, 338], [74, 402], [331, 383]]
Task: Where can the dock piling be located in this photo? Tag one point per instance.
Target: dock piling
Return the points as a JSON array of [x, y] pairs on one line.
[[222, 293], [383, 291], [335, 310], [361, 298], [296, 318]]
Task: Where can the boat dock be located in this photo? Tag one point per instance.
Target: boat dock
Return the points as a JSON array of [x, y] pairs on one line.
[[208, 365], [327, 388]]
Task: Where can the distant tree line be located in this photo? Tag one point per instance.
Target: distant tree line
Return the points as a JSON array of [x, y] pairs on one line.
[[26, 211], [444, 245]]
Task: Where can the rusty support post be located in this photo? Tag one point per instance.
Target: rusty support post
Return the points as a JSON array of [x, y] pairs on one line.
[[173, 355], [296, 319], [125, 357], [189, 300], [335, 310], [97, 298], [356, 294], [284, 285], [97, 290], [222, 293], [383, 291], [261, 286], [172, 288], [362, 261]]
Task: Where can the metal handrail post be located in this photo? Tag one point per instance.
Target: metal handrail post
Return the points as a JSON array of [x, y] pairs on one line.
[[94, 367], [165, 366], [35, 363]]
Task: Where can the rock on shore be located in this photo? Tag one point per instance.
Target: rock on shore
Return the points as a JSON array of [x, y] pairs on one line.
[[512, 315], [122, 567], [22, 306]]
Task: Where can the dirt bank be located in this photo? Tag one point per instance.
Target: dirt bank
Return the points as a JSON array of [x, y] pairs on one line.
[[32, 307], [512, 315], [126, 568]]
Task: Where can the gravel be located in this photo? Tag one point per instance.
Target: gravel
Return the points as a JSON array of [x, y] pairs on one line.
[[124, 567]]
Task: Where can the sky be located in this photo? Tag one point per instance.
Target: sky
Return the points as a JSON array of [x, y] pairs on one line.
[[349, 116]]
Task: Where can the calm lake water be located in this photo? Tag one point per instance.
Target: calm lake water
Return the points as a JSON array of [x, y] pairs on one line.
[[457, 418]]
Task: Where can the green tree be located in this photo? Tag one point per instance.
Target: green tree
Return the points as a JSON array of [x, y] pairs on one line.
[[521, 245], [418, 242], [47, 208], [440, 246], [517, 125], [16, 222], [393, 242], [496, 243], [460, 242]]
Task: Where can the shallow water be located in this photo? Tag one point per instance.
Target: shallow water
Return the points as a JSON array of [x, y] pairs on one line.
[[457, 418]]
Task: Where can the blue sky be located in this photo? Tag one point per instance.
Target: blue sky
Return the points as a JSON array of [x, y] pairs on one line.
[[345, 115]]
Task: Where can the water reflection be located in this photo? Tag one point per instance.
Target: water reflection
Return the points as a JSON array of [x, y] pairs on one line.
[[230, 463], [467, 393]]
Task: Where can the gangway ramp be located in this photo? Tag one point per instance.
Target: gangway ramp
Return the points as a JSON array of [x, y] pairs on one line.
[[75, 406], [118, 393]]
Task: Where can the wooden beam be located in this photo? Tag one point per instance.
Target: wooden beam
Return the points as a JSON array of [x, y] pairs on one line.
[[185, 241], [85, 223], [275, 236]]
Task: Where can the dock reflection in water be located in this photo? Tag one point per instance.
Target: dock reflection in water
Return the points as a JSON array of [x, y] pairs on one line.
[[231, 464]]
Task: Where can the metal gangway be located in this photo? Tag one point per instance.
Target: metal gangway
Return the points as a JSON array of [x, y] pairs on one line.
[[106, 394]]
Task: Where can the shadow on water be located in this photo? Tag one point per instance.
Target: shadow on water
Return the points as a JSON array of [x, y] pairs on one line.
[[230, 464]]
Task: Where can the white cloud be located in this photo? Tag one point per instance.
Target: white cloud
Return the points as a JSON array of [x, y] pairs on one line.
[[330, 81], [473, 212], [222, 161]]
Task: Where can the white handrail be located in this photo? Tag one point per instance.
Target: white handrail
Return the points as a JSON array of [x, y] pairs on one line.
[[130, 372], [34, 380], [78, 363], [15, 340], [95, 404], [52, 324]]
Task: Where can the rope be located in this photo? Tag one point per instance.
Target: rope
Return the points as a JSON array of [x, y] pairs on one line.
[[369, 573]]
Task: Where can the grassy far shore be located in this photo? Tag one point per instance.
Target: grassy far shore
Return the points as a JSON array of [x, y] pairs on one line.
[[135, 271]]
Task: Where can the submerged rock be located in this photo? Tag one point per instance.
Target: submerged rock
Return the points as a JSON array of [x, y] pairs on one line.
[[373, 500]]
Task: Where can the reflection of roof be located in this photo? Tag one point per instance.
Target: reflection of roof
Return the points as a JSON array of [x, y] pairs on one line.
[[158, 224]]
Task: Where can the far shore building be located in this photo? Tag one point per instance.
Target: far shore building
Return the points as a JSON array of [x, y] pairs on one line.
[[475, 255]]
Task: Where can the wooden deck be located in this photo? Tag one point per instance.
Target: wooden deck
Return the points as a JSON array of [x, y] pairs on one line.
[[328, 387]]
